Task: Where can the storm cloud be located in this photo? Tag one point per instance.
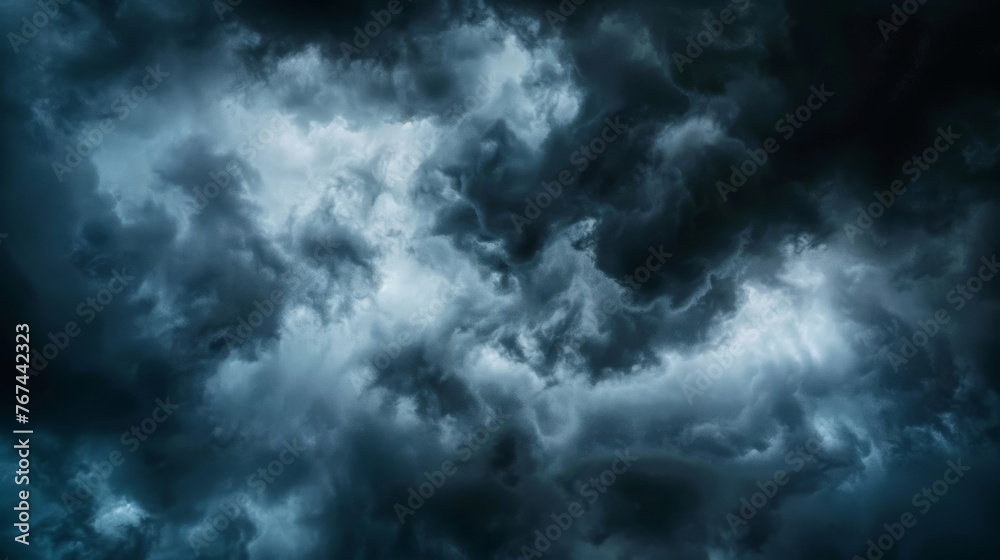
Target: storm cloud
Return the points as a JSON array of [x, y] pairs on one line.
[[724, 271]]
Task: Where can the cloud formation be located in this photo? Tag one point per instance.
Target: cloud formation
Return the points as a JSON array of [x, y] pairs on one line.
[[351, 253]]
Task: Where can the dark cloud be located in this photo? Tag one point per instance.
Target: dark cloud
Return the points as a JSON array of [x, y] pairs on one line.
[[321, 265]]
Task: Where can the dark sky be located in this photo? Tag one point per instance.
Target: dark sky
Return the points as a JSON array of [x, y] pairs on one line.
[[716, 301]]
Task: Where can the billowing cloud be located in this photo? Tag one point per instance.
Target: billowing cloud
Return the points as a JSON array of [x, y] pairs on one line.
[[504, 279]]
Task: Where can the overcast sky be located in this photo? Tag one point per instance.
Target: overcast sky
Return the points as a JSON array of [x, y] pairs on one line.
[[693, 244]]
